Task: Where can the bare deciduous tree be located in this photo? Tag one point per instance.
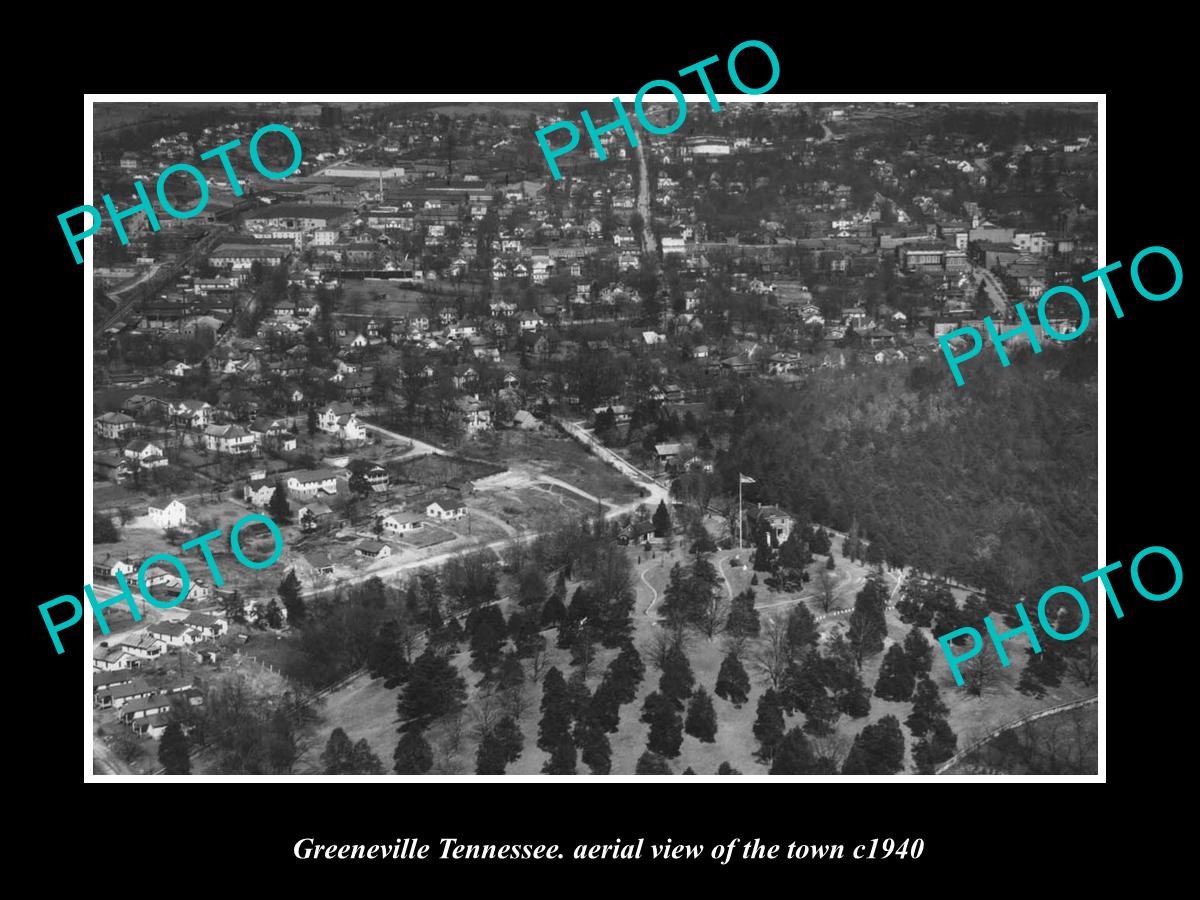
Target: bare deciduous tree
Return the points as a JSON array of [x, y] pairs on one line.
[[980, 674], [827, 583], [773, 653]]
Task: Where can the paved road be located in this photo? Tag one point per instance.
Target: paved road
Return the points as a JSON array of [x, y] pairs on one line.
[[994, 289], [618, 462], [418, 448], [643, 201]]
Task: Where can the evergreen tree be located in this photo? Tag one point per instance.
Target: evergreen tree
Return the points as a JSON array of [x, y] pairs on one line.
[[500, 745], [743, 617], [764, 556], [936, 747], [919, 652], [413, 754], [342, 757], [289, 593], [626, 672], [596, 752], [878, 749], [666, 726], [385, 658], [927, 708], [793, 756], [173, 751], [277, 507], [434, 689], [652, 764], [701, 722], [661, 520], [562, 757], [801, 628], [702, 542], [855, 701], [768, 724], [733, 684], [726, 769], [556, 713], [234, 608], [485, 643], [677, 679], [553, 611], [895, 676], [604, 711]]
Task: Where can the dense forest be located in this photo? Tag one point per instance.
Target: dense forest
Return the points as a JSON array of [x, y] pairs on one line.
[[994, 483]]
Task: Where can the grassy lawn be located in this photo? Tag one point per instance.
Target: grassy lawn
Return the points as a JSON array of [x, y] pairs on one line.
[[366, 710], [556, 455]]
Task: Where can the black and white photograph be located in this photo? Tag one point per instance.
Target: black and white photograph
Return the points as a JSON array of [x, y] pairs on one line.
[[534, 437]]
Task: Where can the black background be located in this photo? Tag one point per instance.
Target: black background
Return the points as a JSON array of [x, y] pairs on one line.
[[972, 832]]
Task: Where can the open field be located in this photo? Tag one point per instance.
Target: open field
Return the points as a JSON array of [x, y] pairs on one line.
[[534, 454]]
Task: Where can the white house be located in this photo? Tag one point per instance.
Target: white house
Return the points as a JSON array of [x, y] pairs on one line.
[[173, 515], [113, 424], [308, 484], [232, 439], [445, 508], [340, 419], [402, 523]]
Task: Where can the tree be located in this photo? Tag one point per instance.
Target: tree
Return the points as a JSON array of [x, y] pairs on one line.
[[895, 676], [652, 764], [937, 747], [827, 583], [793, 756], [272, 616], [868, 627], [676, 681], [980, 674], [277, 507], [701, 722], [173, 751], [233, 608], [702, 542], [768, 724], [927, 708], [500, 745], [312, 420], [413, 754], [289, 593], [801, 628], [919, 651], [666, 726], [342, 757], [733, 684], [855, 701], [596, 750], [662, 520], [555, 724], [562, 757], [726, 769], [103, 530], [743, 617], [878, 749], [434, 689]]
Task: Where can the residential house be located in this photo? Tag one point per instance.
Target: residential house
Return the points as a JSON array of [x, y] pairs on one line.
[[113, 424], [402, 523], [173, 515], [445, 507], [308, 484], [230, 439], [372, 549]]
